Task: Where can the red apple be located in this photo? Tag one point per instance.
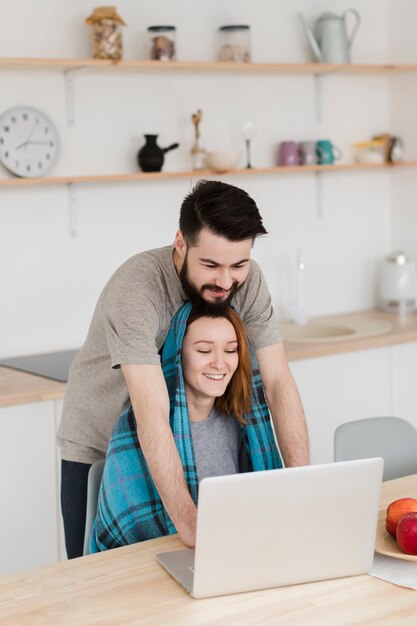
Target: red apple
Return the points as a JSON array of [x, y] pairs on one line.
[[395, 512], [407, 533]]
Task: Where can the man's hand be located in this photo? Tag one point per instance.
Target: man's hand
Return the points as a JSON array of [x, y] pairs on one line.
[[285, 405], [150, 401], [187, 530]]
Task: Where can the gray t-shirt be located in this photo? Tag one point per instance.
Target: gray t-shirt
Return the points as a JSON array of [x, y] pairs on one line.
[[216, 443], [129, 325]]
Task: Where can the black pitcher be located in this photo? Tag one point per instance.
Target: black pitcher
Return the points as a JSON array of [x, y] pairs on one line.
[[151, 156]]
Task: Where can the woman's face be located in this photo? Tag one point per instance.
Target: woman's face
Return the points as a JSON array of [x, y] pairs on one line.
[[209, 356]]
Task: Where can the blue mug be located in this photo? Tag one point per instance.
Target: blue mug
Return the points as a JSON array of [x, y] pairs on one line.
[[327, 153]]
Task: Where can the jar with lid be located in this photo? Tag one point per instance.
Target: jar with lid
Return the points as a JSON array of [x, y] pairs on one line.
[[162, 43], [235, 43], [107, 33]]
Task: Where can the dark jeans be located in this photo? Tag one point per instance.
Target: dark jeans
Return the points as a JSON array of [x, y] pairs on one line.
[[74, 478]]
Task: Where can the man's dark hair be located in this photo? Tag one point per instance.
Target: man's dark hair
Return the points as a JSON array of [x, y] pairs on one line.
[[225, 210]]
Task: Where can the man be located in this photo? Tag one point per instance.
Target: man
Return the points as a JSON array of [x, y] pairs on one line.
[[119, 363]]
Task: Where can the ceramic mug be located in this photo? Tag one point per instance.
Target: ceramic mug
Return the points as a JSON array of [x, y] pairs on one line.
[[289, 153], [327, 153], [308, 152]]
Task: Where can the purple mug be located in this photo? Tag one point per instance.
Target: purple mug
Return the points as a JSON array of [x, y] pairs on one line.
[[289, 153]]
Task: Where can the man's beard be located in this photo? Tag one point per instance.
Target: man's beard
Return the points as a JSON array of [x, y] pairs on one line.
[[195, 296]]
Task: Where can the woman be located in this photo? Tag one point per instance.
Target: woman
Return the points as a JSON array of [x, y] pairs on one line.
[[218, 417]]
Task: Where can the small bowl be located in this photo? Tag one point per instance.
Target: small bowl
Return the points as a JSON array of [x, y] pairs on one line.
[[222, 160]]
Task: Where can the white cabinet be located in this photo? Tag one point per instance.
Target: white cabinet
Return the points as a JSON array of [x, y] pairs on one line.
[[29, 489], [340, 388], [404, 381]]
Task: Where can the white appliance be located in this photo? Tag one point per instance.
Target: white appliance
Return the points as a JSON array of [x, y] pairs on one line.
[[398, 286]]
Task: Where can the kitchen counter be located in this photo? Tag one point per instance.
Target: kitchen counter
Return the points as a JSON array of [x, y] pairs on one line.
[[404, 330], [21, 388]]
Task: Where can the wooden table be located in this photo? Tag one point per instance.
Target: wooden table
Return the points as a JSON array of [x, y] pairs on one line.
[[127, 586]]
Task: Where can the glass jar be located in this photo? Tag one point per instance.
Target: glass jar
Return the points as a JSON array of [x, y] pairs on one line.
[[107, 33], [234, 43], [162, 43]]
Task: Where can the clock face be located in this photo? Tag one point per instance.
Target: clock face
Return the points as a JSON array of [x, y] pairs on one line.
[[29, 142]]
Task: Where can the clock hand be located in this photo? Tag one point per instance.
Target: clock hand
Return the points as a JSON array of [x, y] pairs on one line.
[[31, 133], [25, 143]]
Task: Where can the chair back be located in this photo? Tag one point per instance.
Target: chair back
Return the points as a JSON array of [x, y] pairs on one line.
[[392, 438], [93, 487]]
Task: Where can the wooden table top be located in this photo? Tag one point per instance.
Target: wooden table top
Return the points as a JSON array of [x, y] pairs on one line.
[[127, 586]]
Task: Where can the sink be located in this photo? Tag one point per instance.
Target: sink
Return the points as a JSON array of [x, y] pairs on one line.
[[314, 332], [317, 331]]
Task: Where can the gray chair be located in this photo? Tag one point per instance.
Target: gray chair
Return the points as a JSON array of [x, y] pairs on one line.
[[392, 438], [93, 487]]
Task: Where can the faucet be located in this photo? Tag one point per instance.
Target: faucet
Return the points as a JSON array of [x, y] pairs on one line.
[[299, 309]]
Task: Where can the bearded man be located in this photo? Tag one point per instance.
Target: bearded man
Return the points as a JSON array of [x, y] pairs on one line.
[[119, 363]]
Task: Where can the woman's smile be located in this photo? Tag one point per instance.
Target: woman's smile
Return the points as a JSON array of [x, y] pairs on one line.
[[209, 357], [214, 376]]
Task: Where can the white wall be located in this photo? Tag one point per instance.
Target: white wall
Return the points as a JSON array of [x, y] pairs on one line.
[[403, 96], [50, 281]]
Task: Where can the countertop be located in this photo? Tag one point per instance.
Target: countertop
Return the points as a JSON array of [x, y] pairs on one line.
[[20, 388], [127, 586], [404, 330]]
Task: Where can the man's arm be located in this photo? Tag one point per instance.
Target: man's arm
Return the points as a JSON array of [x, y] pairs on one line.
[[285, 405], [150, 401]]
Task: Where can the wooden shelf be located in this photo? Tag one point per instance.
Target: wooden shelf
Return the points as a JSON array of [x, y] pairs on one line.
[[200, 66], [143, 176], [51, 64]]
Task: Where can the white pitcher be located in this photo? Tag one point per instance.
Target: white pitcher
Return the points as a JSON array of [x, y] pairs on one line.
[[329, 40]]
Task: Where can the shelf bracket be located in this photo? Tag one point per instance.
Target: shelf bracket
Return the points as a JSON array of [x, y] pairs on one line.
[[319, 194], [318, 96], [72, 210], [70, 94]]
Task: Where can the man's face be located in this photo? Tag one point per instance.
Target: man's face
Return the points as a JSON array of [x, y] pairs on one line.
[[212, 271]]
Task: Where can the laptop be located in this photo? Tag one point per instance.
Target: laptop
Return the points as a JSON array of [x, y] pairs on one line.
[[281, 527]]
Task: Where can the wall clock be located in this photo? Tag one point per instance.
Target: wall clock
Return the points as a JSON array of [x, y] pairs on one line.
[[29, 143]]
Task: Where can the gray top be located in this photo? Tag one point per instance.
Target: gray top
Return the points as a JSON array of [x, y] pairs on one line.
[[129, 325], [216, 443]]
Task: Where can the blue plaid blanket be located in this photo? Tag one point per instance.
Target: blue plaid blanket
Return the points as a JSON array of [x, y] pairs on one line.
[[129, 507]]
